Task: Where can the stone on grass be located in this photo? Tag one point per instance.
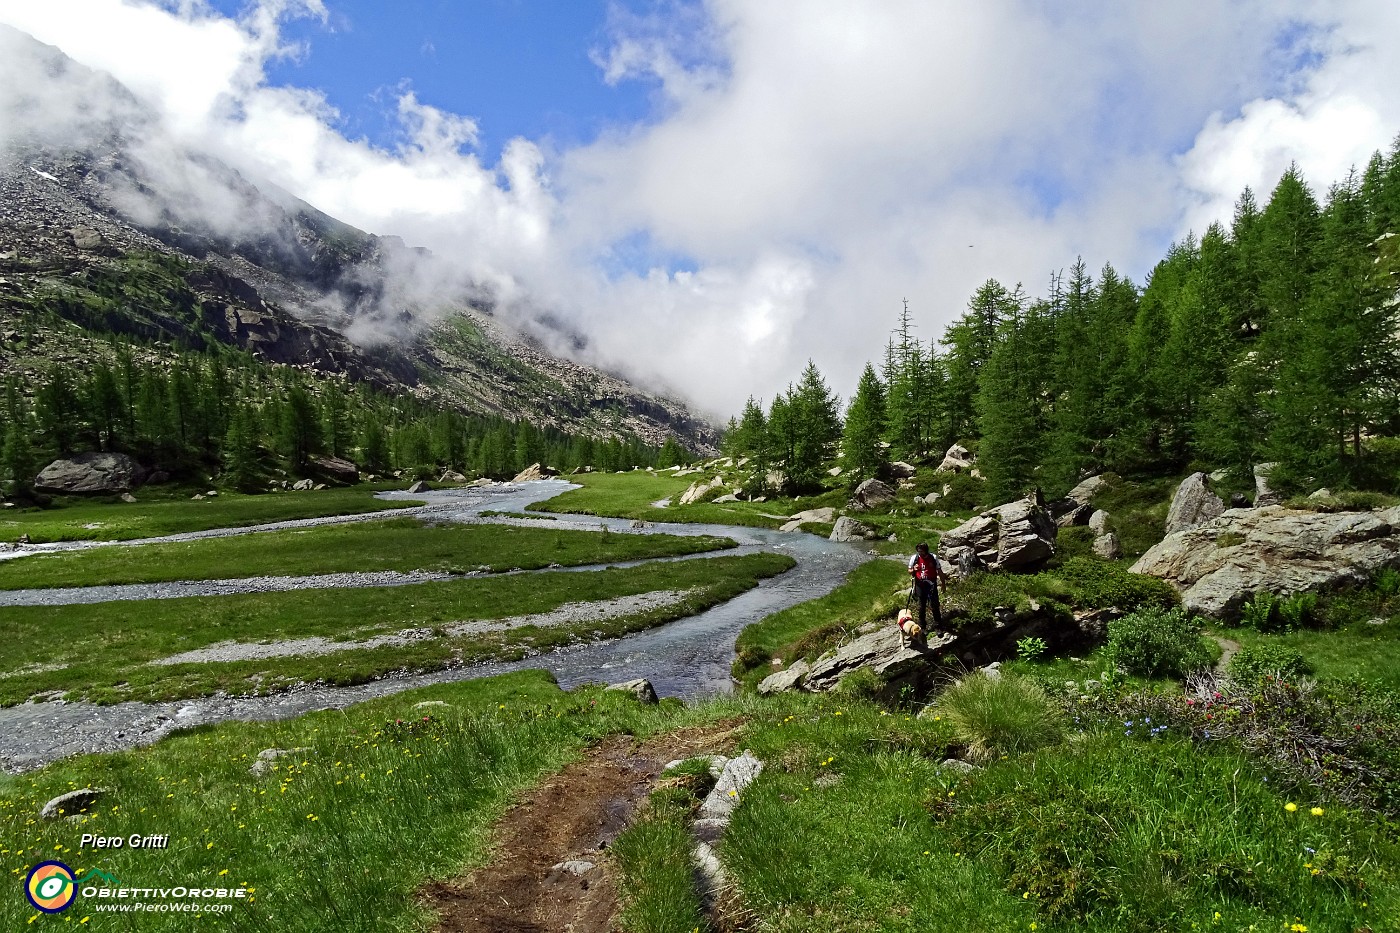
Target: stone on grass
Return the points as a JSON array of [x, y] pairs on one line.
[[958, 459], [870, 494], [849, 529], [71, 803], [268, 757], [418, 487], [534, 471], [1108, 547], [89, 473], [784, 680], [640, 688], [1098, 522], [901, 470]]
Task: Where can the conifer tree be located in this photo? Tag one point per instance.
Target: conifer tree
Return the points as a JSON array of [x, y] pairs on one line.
[[862, 453]]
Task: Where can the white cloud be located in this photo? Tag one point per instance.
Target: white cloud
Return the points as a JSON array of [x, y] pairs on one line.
[[818, 160]]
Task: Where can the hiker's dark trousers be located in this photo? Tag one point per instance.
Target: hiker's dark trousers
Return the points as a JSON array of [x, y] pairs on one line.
[[926, 592]]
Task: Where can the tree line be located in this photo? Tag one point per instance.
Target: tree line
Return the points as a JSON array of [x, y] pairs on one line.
[[1273, 338], [198, 414]]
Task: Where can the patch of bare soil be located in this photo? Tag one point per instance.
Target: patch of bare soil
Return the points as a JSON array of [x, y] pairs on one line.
[[573, 816]]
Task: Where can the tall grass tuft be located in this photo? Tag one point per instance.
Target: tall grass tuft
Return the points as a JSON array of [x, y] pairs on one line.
[[1004, 715]]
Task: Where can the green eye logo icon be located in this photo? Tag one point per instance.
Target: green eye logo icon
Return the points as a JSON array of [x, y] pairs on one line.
[[50, 887]]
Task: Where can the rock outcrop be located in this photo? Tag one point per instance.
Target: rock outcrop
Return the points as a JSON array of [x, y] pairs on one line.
[[698, 491], [901, 470], [90, 473], [823, 516], [1019, 535], [1108, 546], [958, 459], [533, 472], [870, 494], [1193, 503], [1076, 508], [849, 529], [336, 468], [1220, 564]]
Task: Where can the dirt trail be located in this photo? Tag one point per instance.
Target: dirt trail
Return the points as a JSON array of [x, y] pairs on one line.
[[575, 815]]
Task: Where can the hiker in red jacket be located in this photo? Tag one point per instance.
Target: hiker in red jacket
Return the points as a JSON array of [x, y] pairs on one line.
[[928, 575]]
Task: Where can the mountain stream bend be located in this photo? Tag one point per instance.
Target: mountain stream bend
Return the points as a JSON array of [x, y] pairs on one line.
[[688, 658]]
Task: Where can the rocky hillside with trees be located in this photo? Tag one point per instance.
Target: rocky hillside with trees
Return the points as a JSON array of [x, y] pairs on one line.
[[156, 301]]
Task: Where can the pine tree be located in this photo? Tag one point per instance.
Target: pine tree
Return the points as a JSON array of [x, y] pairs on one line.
[[241, 453], [970, 341], [815, 427], [301, 428], [1008, 419], [862, 453]]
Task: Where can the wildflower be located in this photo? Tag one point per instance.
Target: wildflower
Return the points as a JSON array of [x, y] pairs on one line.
[[1290, 806], [1316, 811]]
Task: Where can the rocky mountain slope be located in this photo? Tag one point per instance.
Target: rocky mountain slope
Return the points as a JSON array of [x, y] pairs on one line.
[[110, 225]]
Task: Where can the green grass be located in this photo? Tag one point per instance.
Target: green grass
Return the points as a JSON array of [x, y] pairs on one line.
[[657, 881], [402, 544], [122, 521], [1371, 652], [1000, 716], [867, 593], [629, 495], [106, 647], [337, 839]]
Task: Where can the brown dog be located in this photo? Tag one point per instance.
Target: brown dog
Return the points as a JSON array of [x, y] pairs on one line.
[[910, 632]]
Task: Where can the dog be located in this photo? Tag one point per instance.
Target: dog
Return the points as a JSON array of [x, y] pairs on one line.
[[910, 632]]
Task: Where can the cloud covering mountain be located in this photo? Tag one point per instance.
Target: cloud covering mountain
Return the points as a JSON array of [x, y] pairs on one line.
[[805, 166]]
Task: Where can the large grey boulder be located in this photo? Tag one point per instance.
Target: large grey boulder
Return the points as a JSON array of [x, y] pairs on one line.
[[338, 468], [1019, 535], [958, 459], [1087, 489], [901, 470], [1220, 564], [698, 491], [1193, 503], [640, 688], [849, 529], [824, 516], [870, 494], [1108, 547], [790, 678], [534, 472], [90, 473], [1098, 522], [879, 651]]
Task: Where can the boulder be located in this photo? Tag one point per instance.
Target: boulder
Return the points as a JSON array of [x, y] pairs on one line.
[[1087, 489], [958, 459], [1193, 503], [85, 237], [849, 529], [640, 688], [303, 484], [1069, 514], [879, 651], [128, 497], [870, 494], [90, 473], [336, 468], [727, 497], [825, 516], [452, 476], [268, 756], [71, 803], [724, 798], [1220, 564], [1019, 535], [1098, 522], [901, 470], [834, 471], [1108, 547], [534, 472], [418, 487], [776, 480], [699, 491], [785, 680], [1265, 494]]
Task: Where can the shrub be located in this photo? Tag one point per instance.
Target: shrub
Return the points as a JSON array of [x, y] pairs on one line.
[[1387, 581], [1028, 649], [1298, 610], [1098, 584], [1255, 662], [1005, 715], [1070, 543], [862, 683], [1261, 612], [1153, 642], [964, 495]]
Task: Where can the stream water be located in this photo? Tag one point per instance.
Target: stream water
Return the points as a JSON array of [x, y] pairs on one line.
[[688, 658]]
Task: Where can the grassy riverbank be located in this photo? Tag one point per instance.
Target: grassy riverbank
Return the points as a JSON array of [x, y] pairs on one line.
[[81, 520], [403, 544], [103, 651]]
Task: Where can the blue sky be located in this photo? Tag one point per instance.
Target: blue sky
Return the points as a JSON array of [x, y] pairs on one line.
[[517, 67]]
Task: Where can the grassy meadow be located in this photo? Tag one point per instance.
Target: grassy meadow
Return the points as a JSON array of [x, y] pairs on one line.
[[114, 520], [400, 544]]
